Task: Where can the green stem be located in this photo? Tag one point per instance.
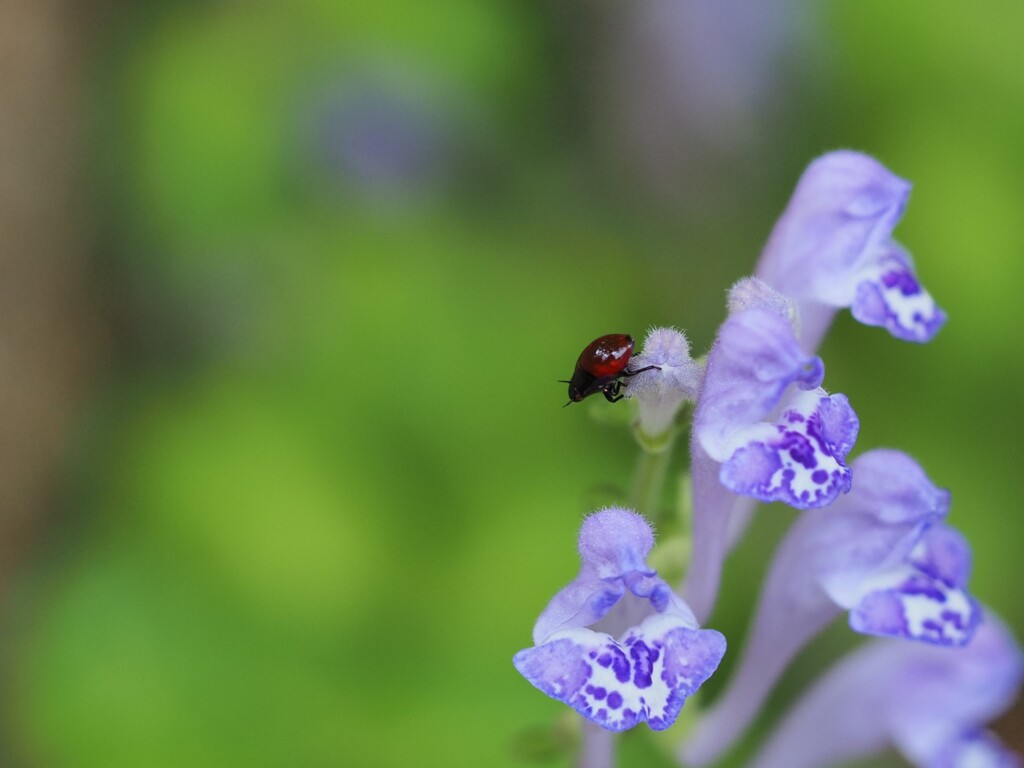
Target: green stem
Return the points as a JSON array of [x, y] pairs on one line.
[[649, 480]]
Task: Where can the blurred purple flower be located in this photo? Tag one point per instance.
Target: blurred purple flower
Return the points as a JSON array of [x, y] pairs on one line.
[[385, 134], [661, 656], [930, 702], [881, 553], [687, 87]]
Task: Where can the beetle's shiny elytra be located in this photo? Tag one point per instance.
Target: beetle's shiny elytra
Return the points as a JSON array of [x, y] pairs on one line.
[[601, 367]]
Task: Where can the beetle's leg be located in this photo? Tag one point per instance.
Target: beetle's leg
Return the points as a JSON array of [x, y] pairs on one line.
[[611, 392], [628, 372]]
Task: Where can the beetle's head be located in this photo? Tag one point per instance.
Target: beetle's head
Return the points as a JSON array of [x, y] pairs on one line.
[[575, 393]]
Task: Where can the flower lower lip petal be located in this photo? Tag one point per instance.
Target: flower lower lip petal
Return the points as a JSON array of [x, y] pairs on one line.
[[891, 296], [917, 607], [801, 464], [647, 676]]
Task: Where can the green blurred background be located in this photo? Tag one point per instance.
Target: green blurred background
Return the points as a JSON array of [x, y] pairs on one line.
[[287, 287]]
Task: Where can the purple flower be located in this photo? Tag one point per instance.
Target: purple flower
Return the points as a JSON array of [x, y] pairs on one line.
[[645, 655], [389, 132], [930, 702], [660, 392], [763, 415], [763, 428], [832, 248], [882, 554]]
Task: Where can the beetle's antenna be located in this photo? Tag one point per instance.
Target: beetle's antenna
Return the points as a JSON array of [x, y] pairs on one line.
[[563, 381], [567, 404]]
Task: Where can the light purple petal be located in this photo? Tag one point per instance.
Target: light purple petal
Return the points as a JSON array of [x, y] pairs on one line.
[[943, 554], [754, 293], [889, 295], [943, 693], [844, 207], [614, 542], [647, 676], [832, 248], [921, 598], [792, 609], [754, 360], [582, 602], [714, 507], [917, 697], [877, 527], [613, 545], [898, 491], [829, 560]]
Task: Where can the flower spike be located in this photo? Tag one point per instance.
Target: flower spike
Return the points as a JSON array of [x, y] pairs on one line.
[[661, 656]]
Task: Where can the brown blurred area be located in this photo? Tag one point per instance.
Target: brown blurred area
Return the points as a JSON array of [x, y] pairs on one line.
[[51, 338]]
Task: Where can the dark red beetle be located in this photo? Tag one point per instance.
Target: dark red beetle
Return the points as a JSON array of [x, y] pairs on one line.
[[601, 367]]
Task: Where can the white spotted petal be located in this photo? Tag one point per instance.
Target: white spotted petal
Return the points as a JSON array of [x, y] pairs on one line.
[[889, 295], [645, 677]]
